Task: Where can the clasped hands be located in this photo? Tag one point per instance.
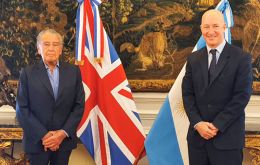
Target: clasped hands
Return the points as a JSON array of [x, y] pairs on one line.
[[53, 139], [206, 130]]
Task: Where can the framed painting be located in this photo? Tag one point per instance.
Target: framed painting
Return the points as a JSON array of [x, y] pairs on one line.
[[153, 38]]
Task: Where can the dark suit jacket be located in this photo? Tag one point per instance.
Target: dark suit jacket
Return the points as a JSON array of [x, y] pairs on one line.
[[38, 112], [223, 100]]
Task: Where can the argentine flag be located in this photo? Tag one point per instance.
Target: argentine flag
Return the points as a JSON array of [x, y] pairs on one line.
[[166, 142]]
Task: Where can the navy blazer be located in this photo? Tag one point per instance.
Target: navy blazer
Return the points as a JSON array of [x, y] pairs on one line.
[[38, 112], [221, 101]]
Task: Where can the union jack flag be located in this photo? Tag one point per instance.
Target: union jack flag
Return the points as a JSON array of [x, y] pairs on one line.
[[110, 128]]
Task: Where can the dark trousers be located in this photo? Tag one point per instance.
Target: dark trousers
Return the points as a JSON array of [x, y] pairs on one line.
[[210, 155], [49, 158]]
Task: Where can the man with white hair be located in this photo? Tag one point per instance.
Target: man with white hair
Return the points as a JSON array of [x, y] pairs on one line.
[[50, 104]]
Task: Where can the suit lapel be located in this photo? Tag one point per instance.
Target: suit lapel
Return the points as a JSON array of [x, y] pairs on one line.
[[223, 59], [62, 78], [204, 66], [43, 76]]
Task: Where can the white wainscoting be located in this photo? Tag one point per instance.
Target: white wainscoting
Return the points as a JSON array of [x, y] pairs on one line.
[[149, 104]]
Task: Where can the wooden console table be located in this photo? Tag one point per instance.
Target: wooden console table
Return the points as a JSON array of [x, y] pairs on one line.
[[10, 132], [252, 142]]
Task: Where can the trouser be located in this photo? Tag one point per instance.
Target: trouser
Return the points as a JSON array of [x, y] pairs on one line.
[[49, 157], [210, 155]]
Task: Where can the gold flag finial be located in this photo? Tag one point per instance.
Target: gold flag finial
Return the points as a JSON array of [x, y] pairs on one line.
[[81, 62]]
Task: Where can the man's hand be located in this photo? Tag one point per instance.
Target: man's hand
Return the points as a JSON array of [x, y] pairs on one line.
[[53, 142], [46, 136], [206, 130], [212, 127]]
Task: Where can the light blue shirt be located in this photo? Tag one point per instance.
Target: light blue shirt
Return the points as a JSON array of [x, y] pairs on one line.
[[219, 51], [54, 79]]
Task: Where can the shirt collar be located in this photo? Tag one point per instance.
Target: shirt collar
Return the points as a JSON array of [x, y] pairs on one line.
[[219, 48], [47, 67]]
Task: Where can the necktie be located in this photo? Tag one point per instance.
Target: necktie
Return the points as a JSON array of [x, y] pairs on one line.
[[213, 64]]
